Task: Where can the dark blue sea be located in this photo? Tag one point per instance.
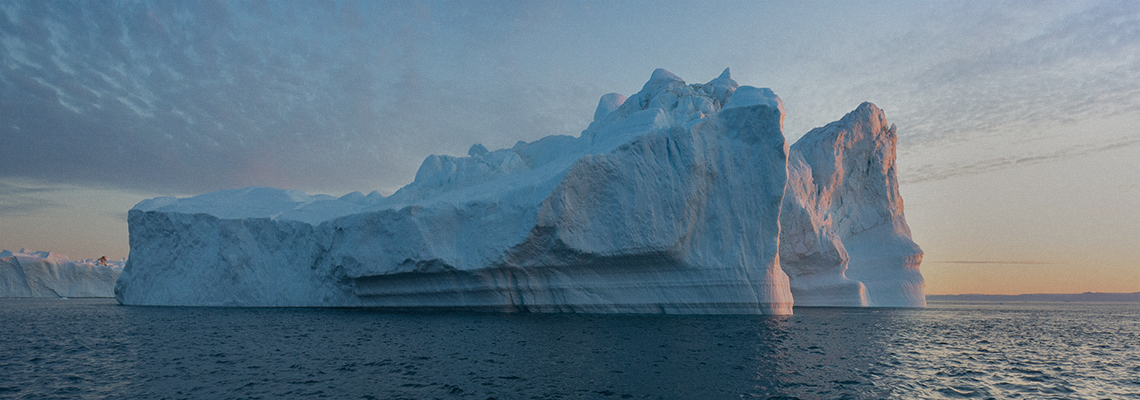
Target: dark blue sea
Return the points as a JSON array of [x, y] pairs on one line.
[[88, 348]]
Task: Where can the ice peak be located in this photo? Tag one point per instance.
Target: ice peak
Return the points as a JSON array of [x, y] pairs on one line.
[[608, 103], [870, 116], [661, 76], [866, 110], [477, 150], [685, 102], [666, 100], [849, 153], [745, 96], [659, 83], [723, 83]]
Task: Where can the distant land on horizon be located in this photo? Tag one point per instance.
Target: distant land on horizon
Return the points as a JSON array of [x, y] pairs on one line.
[[1059, 297]]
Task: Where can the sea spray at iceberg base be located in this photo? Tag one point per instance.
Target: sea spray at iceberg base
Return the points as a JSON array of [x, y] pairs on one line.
[[678, 199]]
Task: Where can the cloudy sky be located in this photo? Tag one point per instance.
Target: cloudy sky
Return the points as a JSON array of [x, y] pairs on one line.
[[1019, 122]]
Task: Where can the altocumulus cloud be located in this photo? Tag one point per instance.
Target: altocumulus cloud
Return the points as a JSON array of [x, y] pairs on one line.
[[187, 97], [1078, 66]]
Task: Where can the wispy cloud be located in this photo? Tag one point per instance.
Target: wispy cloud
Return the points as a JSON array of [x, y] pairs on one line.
[[994, 262], [937, 172], [991, 77], [120, 216], [21, 201], [197, 96], [15, 190], [1080, 66]]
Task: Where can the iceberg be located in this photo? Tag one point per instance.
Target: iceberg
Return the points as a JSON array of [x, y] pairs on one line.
[[52, 275], [844, 240], [671, 201]]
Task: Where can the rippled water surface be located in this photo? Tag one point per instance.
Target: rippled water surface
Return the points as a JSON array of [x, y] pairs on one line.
[[96, 349]]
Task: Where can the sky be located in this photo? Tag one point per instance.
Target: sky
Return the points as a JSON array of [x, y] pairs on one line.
[[1018, 122]]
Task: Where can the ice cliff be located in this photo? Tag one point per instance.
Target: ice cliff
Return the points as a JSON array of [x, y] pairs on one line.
[[844, 240], [669, 202], [46, 274]]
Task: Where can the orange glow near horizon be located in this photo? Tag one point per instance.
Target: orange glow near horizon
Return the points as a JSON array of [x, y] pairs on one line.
[[1044, 228]]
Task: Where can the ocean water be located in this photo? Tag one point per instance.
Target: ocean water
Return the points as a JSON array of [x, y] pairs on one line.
[[94, 348]]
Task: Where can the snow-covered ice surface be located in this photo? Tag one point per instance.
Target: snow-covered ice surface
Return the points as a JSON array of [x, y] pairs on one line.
[[46, 274], [669, 202]]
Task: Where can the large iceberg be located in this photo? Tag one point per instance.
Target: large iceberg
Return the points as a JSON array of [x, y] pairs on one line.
[[53, 275], [669, 202]]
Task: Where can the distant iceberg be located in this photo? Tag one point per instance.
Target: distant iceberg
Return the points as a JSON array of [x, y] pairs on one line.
[[671, 201], [52, 275]]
